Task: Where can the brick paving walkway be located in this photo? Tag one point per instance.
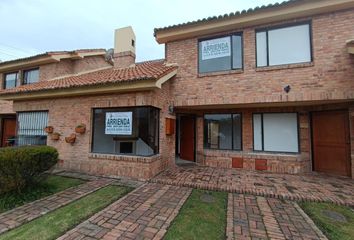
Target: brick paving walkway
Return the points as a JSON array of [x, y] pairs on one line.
[[314, 187], [254, 217], [33, 210], [145, 213]]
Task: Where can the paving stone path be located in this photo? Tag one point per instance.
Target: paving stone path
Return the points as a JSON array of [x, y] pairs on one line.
[[33, 210], [254, 217], [312, 187], [145, 213]]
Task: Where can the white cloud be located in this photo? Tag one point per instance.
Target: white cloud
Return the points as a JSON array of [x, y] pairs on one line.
[[36, 26]]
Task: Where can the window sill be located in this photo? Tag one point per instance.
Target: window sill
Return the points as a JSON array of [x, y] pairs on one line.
[[285, 66], [284, 154], [125, 158], [210, 74]]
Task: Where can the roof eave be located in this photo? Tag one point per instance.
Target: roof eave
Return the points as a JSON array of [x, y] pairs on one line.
[[47, 58], [258, 17], [28, 63]]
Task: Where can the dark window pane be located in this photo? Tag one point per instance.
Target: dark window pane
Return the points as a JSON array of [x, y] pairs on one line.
[[237, 130], [10, 80], [236, 52], [218, 131], [143, 139], [31, 76], [211, 60]]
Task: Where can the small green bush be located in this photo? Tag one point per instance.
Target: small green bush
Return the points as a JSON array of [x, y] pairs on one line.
[[23, 166]]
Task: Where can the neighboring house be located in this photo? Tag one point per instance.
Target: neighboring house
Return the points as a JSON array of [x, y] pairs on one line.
[[266, 89], [42, 67]]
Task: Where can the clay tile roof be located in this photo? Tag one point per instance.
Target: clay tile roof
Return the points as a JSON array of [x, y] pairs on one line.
[[150, 70], [226, 16]]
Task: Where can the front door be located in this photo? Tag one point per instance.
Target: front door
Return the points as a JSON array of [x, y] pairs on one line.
[[331, 142], [8, 132], [187, 138]]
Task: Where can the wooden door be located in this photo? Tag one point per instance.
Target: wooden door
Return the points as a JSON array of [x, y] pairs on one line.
[[331, 142], [187, 135], [9, 132]]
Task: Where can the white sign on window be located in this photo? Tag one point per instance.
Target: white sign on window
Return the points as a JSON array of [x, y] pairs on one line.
[[119, 123], [216, 48]]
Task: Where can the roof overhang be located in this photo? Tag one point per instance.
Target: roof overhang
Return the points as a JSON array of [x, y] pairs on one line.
[[298, 9], [185, 109], [135, 86], [350, 46], [46, 58]]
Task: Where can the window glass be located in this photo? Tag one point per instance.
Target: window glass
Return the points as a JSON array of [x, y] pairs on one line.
[[131, 131], [10, 80], [289, 45], [257, 132], [284, 46], [30, 129], [222, 131], [280, 132], [220, 54], [31, 76], [261, 39], [237, 131], [236, 52]]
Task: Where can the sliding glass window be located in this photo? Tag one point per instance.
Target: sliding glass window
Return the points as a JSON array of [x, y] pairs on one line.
[[275, 132], [221, 53], [223, 131], [284, 45]]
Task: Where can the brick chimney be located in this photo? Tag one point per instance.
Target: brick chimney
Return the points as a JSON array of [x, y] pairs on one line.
[[124, 47]]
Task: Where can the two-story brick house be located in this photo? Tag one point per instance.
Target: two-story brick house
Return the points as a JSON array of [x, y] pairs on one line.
[[266, 89], [38, 68]]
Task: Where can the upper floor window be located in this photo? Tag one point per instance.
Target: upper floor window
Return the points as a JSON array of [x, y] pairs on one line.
[[284, 45], [10, 80], [221, 54], [30, 76]]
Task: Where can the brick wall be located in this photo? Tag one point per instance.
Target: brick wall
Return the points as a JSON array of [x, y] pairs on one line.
[[66, 113], [66, 67], [276, 162], [6, 107], [329, 77]]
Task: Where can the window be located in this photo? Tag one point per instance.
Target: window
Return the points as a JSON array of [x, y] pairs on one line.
[[220, 54], [31, 128], [275, 132], [10, 80], [130, 131], [285, 45], [30, 76], [222, 131]]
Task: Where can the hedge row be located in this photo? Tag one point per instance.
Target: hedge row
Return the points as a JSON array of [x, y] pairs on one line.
[[23, 166]]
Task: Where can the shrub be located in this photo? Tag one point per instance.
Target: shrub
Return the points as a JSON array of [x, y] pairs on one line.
[[23, 166]]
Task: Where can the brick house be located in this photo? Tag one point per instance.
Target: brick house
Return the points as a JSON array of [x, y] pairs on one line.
[[268, 89]]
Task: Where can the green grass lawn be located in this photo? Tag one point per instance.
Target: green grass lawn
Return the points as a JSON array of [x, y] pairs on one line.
[[200, 220], [50, 185], [56, 223], [332, 229]]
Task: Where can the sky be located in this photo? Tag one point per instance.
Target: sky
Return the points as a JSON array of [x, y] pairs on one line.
[[30, 27]]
